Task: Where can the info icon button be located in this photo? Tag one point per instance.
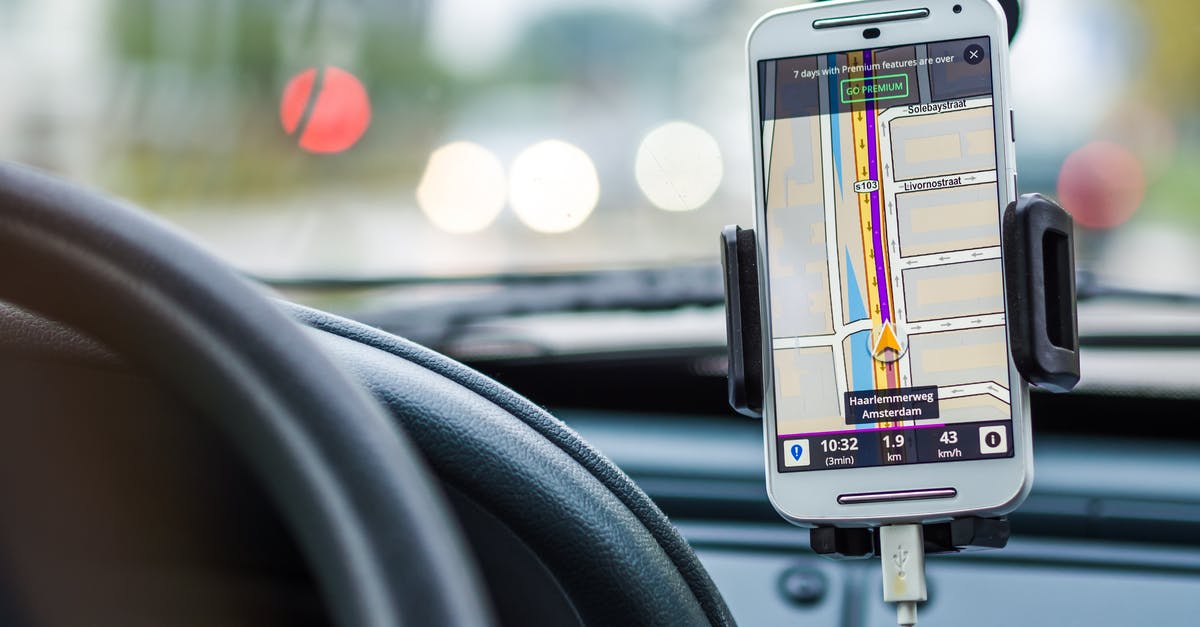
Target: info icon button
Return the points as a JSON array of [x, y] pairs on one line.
[[795, 453], [993, 440]]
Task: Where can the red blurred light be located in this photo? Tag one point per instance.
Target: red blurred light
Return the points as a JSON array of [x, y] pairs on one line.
[[1101, 184], [337, 118], [295, 98]]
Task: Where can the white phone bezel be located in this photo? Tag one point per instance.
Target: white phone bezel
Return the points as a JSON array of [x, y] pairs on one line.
[[984, 487]]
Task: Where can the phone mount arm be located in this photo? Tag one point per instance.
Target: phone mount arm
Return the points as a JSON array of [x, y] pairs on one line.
[[1039, 273], [739, 257], [1039, 269]]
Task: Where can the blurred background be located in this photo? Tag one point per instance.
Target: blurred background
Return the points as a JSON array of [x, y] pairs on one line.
[[539, 136]]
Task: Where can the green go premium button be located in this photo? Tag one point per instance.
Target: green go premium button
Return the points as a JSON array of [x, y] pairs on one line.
[[873, 88]]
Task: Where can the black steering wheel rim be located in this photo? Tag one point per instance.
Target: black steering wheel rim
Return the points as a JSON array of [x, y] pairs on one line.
[[376, 533]]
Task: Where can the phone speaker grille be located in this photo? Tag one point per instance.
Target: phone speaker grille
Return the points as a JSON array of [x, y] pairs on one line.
[[871, 18]]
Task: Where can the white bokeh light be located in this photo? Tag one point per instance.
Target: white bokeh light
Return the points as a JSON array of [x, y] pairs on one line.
[[463, 188], [553, 186], [678, 166], [1046, 88]]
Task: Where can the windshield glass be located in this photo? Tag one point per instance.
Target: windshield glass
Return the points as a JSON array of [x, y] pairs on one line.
[[433, 138]]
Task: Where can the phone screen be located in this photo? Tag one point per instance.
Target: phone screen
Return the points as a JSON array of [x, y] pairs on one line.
[[882, 239]]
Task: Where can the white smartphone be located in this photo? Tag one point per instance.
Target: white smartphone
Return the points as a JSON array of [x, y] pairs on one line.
[[883, 154]]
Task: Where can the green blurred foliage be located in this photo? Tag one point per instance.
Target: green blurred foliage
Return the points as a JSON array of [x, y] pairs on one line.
[[567, 46], [1165, 84], [1173, 46], [1174, 198], [225, 141]]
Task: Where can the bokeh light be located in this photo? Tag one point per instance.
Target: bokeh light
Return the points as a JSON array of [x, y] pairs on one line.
[[1101, 184], [338, 115], [295, 99], [679, 166], [553, 186], [463, 188]]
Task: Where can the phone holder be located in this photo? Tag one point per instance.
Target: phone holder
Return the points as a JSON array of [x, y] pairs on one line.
[[970, 533], [1037, 254]]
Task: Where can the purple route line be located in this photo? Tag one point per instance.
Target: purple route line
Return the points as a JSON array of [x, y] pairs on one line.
[[855, 431], [885, 310]]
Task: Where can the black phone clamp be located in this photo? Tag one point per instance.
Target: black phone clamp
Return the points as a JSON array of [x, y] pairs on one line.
[[969, 533], [1037, 254]]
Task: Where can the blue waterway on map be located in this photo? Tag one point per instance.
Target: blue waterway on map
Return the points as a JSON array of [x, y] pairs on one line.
[[858, 311], [860, 343], [860, 365], [833, 116], [860, 361]]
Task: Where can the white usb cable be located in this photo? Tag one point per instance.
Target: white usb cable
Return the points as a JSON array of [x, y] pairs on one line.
[[902, 551]]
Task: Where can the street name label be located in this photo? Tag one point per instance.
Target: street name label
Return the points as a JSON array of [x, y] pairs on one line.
[[937, 107], [938, 183], [870, 406]]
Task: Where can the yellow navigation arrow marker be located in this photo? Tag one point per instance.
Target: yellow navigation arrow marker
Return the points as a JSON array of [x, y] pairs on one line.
[[887, 347]]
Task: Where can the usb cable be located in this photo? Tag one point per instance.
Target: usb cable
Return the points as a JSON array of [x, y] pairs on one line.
[[902, 551]]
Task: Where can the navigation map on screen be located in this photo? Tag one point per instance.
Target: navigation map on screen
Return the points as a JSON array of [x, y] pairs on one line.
[[882, 235]]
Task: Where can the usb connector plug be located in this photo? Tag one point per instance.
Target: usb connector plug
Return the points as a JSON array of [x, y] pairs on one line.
[[902, 551]]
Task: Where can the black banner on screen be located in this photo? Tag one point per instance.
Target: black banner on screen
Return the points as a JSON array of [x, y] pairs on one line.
[[869, 406]]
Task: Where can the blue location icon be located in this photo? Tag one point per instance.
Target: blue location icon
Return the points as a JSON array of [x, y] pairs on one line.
[[797, 451]]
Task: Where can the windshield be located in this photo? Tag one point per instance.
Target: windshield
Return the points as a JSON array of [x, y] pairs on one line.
[[435, 138]]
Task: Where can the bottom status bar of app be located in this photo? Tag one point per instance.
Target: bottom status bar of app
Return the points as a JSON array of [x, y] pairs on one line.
[[891, 446]]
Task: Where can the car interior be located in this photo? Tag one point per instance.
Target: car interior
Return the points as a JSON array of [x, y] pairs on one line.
[[276, 358]]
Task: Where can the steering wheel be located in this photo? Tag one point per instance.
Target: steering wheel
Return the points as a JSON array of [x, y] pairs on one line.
[[374, 530], [368, 513]]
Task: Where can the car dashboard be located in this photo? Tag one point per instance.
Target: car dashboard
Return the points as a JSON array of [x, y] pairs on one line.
[[1110, 534]]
